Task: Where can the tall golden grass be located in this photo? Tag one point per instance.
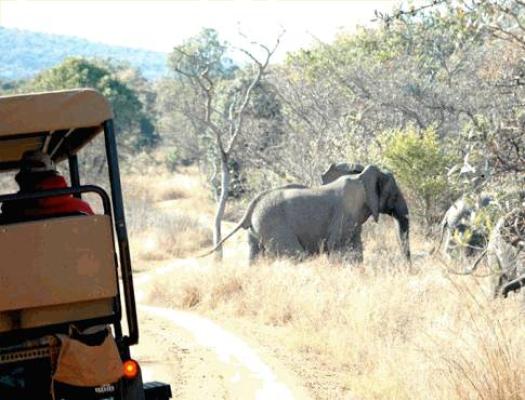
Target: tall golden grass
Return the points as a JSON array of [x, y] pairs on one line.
[[381, 330], [159, 230]]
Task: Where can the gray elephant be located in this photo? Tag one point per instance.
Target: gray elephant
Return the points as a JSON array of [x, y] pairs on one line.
[[300, 221], [335, 171], [459, 221], [505, 254]]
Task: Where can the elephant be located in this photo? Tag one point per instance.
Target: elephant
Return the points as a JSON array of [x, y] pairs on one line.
[[299, 221], [459, 220], [334, 171], [505, 255]]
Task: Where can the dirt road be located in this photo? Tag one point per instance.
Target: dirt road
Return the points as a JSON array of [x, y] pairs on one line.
[[201, 360]]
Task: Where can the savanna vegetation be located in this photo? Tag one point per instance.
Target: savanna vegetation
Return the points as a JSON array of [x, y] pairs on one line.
[[432, 92]]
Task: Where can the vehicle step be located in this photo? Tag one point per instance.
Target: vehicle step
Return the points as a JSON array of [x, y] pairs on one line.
[[157, 391]]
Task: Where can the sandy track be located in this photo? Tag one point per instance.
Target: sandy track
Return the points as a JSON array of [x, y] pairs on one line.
[[200, 359]]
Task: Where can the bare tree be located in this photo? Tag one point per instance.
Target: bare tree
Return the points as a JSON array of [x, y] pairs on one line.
[[224, 124]]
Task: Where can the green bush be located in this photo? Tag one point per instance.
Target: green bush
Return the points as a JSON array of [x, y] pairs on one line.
[[419, 161]]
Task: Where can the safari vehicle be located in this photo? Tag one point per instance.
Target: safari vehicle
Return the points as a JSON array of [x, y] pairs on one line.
[[63, 332]]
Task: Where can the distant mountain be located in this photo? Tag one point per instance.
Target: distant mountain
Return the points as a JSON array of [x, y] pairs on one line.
[[24, 54]]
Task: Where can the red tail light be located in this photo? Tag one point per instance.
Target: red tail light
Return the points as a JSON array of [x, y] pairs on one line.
[[131, 369]]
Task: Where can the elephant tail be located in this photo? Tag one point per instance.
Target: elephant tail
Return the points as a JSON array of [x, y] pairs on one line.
[[245, 223], [246, 220], [229, 235]]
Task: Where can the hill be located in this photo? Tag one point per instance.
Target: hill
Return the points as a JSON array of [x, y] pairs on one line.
[[24, 54]]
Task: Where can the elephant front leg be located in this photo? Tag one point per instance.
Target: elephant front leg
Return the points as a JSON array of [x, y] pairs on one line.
[[344, 242], [356, 245], [352, 252]]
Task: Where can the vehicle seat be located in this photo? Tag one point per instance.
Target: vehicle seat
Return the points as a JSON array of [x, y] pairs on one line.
[[57, 270]]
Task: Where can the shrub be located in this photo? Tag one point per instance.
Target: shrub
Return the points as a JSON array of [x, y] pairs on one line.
[[419, 162]]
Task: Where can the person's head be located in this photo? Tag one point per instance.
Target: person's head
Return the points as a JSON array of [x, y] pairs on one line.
[[34, 166]]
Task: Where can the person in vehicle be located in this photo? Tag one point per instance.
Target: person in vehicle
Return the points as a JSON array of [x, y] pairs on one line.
[[38, 173]]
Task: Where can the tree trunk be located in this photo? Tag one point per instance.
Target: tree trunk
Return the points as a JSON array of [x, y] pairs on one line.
[[428, 216], [221, 205]]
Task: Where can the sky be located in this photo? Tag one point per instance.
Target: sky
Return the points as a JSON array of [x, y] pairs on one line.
[[161, 24]]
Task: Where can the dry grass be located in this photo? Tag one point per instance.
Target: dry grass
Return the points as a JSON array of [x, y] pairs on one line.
[[379, 330], [170, 235], [160, 185], [159, 233], [385, 331]]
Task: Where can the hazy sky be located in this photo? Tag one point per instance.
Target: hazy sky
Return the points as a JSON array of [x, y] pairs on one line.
[[159, 25]]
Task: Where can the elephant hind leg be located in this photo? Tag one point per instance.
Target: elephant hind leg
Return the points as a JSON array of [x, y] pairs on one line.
[[284, 242], [254, 247]]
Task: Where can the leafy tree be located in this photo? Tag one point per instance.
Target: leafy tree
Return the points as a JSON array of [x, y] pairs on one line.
[[131, 122], [453, 68], [176, 105], [496, 25], [204, 49]]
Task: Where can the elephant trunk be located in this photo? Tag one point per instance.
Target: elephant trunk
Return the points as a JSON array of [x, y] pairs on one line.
[[401, 215]]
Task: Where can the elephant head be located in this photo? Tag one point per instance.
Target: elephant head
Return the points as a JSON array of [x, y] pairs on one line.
[[335, 171], [384, 197]]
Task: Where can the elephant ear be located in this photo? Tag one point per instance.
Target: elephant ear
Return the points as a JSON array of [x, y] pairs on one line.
[[388, 191], [370, 177]]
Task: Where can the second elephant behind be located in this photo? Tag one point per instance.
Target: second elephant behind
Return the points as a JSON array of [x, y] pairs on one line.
[[299, 221], [459, 230]]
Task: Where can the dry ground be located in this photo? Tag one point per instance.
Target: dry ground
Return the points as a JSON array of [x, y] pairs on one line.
[[379, 330]]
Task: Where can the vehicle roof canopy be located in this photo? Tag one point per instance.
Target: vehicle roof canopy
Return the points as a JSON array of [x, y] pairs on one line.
[[59, 123]]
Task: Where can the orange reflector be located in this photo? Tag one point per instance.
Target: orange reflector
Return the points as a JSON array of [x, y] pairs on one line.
[[131, 369]]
